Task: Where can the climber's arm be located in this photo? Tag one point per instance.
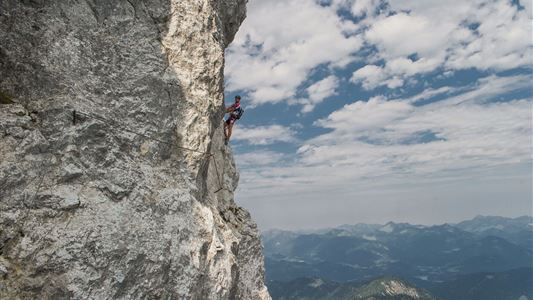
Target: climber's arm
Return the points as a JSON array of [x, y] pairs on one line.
[[230, 109]]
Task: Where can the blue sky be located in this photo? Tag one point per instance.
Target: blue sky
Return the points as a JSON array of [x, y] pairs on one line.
[[375, 110]]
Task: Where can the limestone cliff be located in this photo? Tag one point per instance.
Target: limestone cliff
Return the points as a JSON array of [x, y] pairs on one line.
[[114, 180]]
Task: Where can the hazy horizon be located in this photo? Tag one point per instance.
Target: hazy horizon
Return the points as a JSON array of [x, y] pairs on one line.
[[392, 221]]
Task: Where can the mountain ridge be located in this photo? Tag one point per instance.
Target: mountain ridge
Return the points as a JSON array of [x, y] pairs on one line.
[[355, 252], [508, 285], [382, 288], [522, 218]]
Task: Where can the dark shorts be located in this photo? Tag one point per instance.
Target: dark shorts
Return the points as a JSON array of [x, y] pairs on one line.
[[230, 120]]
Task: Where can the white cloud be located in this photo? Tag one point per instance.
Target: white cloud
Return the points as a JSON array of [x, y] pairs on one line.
[[319, 91], [375, 156], [404, 34], [528, 6], [387, 140], [431, 92], [364, 7], [364, 115], [385, 120], [281, 42], [485, 89], [373, 76], [453, 35], [358, 8], [406, 66], [503, 40], [382, 145], [264, 135], [323, 89], [258, 158], [370, 75]]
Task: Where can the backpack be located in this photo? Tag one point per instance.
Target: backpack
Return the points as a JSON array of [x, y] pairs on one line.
[[237, 114]]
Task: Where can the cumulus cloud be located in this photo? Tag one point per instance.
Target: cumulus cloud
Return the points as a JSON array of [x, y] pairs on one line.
[[364, 7], [364, 115], [373, 76], [358, 8], [403, 34], [439, 134], [421, 36], [393, 139], [264, 135], [281, 42], [322, 89], [319, 91]]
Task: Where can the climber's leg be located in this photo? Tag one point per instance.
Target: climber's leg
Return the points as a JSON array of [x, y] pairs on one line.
[[230, 128], [226, 129]]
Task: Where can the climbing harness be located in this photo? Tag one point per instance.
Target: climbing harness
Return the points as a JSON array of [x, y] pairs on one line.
[[238, 112]]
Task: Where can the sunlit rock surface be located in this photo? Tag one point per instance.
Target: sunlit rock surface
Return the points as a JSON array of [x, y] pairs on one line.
[[114, 179]]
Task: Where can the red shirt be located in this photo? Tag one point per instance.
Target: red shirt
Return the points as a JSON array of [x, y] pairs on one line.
[[235, 105]]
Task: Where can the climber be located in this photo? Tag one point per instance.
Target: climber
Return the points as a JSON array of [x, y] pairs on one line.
[[235, 112]]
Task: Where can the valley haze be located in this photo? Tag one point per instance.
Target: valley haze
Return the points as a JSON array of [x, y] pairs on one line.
[[485, 258]]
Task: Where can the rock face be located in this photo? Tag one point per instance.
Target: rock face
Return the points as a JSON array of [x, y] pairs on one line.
[[114, 179]]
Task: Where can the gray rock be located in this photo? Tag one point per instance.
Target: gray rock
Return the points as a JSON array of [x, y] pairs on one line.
[[70, 172], [3, 271], [101, 196]]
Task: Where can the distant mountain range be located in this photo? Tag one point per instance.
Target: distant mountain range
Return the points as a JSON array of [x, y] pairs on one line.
[[319, 289], [517, 230], [509, 285], [428, 256]]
